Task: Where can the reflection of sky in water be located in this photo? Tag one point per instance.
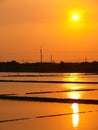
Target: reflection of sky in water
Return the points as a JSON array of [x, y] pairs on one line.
[[74, 121]]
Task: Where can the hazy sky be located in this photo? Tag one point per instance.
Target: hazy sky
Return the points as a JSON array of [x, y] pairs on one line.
[[28, 25]]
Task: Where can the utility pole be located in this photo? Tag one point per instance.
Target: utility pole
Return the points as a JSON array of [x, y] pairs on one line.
[[41, 56], [85, 59], [51, 59]]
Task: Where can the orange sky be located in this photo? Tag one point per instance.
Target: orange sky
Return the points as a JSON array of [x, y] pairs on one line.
[[28, 25]]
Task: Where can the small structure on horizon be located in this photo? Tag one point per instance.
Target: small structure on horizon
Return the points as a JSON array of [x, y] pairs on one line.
[[41, 56]]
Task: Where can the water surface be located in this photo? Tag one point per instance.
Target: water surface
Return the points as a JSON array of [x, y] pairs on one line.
[[42, 115]]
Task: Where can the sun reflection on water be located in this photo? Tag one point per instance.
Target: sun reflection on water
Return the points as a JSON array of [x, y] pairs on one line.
[[72, 77], [75, 115], [74, 95], [75, 109]]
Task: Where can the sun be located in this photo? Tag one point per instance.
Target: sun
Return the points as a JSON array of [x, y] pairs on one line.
[[75, 17]]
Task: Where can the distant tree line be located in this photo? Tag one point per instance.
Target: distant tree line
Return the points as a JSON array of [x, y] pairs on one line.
[[83, 67]]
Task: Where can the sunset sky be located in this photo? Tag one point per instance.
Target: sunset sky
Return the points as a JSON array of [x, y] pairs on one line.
[[28, 25]]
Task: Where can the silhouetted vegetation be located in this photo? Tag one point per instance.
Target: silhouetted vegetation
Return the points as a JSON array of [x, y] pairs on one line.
[[83, 67]]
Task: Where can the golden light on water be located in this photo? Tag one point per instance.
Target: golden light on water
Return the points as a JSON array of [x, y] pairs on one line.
[[72, 77], [75, 109], [75, 116], [74, 95]]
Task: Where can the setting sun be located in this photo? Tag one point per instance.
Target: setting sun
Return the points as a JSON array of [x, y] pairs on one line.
[[75, 17]]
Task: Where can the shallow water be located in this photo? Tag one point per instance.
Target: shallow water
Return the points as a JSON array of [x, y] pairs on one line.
[[55, 115]]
